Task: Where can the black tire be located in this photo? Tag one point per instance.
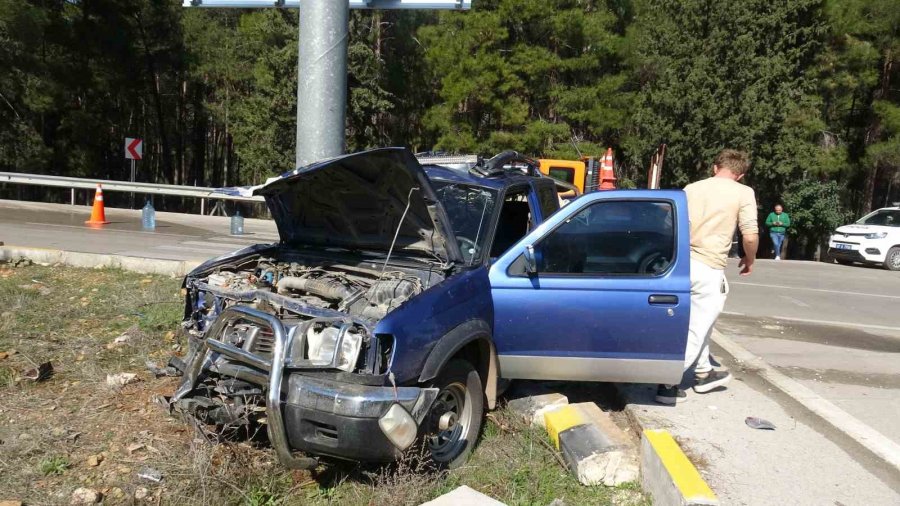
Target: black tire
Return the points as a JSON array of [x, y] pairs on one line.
[[892, 260], [448, 437]]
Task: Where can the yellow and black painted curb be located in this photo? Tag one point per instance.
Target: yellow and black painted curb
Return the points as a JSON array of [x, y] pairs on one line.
[[669, 476], [586, 448]]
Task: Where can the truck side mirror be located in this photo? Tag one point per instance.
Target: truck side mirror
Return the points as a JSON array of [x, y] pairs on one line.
[[530, 262]]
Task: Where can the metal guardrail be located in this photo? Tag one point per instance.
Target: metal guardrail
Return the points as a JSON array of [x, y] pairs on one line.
[[73, 183]]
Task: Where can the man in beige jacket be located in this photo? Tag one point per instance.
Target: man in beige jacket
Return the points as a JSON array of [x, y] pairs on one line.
[[716, 206]]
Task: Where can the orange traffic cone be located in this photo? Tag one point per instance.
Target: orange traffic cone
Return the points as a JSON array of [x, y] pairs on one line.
[[98, 212], [607, 175]]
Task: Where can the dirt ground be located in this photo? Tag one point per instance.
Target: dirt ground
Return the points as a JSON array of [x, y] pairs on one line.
[[70, 435]]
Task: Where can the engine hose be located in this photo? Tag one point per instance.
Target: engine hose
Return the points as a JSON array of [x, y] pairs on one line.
[[333, 290]]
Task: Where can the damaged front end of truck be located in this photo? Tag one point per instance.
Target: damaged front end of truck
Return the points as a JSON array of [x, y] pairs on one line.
[[287, 337]]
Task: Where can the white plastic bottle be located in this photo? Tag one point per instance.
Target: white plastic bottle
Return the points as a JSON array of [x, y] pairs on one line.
[[237, 224], [148, 216]]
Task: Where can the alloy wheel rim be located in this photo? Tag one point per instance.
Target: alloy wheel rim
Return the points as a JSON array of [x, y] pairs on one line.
[[895, 260]]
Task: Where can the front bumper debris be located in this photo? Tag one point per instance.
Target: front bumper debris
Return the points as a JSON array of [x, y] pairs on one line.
[[310, 414]]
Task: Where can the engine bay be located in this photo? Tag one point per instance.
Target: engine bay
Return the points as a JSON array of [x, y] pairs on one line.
[[333, 307], [354, 293]]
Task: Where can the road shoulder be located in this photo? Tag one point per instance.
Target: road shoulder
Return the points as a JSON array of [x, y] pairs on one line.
[[793, 464]]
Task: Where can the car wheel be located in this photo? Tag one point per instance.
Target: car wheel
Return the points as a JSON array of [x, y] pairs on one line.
[[454, 421], [892, 260]]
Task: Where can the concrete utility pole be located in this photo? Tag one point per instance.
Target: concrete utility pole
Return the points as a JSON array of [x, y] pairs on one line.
[[322, 79], [322, 64]]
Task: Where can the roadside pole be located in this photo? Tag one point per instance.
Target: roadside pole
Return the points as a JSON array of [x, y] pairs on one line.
[[134, 150], [321, 80], [132, 180], [324, 27]]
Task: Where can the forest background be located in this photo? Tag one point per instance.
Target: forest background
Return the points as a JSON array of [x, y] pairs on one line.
[[811, 88]]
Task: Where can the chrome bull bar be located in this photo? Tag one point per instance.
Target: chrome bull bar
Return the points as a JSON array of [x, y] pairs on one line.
[[275, 419]]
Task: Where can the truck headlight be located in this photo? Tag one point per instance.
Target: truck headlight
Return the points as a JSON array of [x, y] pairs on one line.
[[399, 427], [876, 235], [322, 346]]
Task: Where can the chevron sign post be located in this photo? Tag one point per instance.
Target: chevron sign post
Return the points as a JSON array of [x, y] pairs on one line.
[[134, 150]]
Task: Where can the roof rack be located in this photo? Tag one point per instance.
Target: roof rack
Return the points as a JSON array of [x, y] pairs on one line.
[[508, 162], [431, 158]]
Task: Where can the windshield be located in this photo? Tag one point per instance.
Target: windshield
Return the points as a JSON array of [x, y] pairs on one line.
[[884, 217], [469, 209]]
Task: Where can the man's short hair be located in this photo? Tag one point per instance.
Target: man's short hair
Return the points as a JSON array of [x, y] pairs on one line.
[[738, 162]]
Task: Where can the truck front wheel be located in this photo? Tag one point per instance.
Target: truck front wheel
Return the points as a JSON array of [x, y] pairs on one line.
[[452, 425]]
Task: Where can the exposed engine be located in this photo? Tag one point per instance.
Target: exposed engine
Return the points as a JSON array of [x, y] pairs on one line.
[[355, 294], [333, 307]]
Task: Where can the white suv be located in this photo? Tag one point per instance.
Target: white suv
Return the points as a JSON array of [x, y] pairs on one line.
[[874, 239]]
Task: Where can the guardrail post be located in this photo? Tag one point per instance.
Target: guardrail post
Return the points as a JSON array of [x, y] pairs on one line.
[[202, 207], [73, 196]]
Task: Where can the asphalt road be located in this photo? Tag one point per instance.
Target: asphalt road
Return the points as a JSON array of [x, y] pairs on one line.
[[833, 328], [177, 236], [850, 296]]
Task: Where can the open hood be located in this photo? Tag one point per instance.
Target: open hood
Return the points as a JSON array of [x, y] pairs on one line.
[[357, 201]]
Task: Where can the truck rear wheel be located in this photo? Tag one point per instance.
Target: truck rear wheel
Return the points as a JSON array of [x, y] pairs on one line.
[[453, 423]]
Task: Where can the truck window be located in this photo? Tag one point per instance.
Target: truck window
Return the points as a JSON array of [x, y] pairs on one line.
[[566, 174], [470, 210], [515, 221], [611, 237], [548, 200]]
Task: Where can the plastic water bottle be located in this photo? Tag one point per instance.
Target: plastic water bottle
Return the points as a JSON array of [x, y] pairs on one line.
[[148, 216], [237, 224]]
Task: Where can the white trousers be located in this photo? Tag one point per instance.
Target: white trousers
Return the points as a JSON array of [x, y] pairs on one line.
[[708, 291]]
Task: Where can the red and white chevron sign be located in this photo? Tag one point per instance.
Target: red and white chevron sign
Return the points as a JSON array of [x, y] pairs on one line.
[[134, 148]]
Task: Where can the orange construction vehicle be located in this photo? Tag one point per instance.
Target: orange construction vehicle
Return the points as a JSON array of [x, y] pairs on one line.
[[587, 174]]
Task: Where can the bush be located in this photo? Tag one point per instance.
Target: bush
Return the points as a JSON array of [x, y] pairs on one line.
[[816, 210]]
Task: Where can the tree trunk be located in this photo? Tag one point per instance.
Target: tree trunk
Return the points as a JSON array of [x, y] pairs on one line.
[[157, 103], [871, 134]]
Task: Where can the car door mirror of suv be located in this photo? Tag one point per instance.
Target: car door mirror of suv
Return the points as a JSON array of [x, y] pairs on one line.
[[530, 261]]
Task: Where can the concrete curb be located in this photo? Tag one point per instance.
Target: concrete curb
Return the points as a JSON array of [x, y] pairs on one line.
[[594, 449], [174, 268], [668, 475], [463, 496], [872, 440]]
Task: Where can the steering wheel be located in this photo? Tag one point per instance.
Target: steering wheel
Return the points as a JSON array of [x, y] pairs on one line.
[[468, 247], [653, 263]]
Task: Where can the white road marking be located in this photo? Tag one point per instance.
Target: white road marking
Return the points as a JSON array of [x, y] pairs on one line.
[[795, 301], [819, 322], [816, 290], [884, 448], [834, 323]]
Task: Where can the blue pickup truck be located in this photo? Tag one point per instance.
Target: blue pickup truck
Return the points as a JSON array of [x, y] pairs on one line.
[[400, 294]]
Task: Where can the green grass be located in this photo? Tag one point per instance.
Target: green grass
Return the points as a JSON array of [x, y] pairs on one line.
[[54, 465], [70, 316]]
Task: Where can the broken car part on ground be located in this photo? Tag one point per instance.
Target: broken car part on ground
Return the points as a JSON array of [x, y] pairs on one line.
[[377, 319]]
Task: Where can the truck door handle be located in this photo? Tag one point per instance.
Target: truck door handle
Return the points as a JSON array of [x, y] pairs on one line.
[[663, 300]]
